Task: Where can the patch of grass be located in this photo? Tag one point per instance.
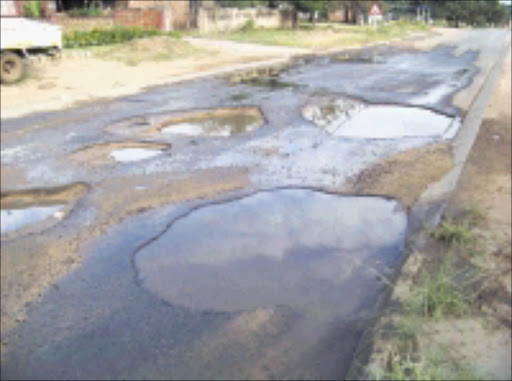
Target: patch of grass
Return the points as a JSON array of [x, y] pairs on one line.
[[459, 232], [434, 366], [452, 232], [249, 25], [321, 36], [118, 34], [159, 48], [437, 295]]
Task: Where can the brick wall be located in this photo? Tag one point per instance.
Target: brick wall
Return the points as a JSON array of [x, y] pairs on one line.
[[180, 13], [177, 12], [69, 24], [147, 18]]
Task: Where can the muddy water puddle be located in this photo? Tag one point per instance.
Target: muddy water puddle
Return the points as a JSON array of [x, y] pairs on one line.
[[215, 122], [219, 122], [354, 119], [295, 247], [122, 152]]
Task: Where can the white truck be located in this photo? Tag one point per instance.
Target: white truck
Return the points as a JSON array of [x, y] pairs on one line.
[[22, 38]]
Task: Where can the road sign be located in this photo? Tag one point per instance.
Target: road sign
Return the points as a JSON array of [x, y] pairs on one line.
[[375, 10]]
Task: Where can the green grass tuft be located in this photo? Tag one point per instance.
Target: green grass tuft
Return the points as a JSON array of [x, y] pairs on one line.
[[438, 295], [452, 232]]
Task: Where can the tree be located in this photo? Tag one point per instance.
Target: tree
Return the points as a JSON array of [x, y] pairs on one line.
[[310, 6], [32, 8], [471, 12]]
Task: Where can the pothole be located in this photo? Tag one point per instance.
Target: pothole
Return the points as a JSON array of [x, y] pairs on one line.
[[207, 122], [216, 122], [258, 73], [37, 209], [351, 118], [130, 126], [269, 83], [296, 247], [107, 153], [359, 58]]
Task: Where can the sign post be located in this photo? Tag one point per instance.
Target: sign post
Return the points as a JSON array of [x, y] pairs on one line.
[[375, 14]]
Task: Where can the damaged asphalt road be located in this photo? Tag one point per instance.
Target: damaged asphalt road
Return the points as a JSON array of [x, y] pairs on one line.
[[208, 238]]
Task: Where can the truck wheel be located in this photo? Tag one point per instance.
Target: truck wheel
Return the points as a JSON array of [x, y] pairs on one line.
[[11, 66]]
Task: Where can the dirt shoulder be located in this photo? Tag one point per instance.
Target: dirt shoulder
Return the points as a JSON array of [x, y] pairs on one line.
[[96, 73], [113, 71], [449, 316]]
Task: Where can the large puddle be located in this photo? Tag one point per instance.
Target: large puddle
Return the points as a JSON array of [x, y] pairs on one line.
[[34, 210], [350, 118], [296, 247]]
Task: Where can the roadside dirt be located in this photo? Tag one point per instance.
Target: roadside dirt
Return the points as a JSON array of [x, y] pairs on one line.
[[476, 343], [405, 175], [53, 85], [82, 76]]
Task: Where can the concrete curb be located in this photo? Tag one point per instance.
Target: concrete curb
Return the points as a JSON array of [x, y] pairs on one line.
[[429, 208], [431, 204]]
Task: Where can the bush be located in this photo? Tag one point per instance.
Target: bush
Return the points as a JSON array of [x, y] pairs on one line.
[[249, 25], [32, 8], [95, 37]]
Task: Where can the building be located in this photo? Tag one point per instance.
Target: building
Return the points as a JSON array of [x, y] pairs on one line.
[[175, 15]]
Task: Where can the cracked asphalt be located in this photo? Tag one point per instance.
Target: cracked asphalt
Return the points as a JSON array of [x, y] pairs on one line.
[[262, 205]]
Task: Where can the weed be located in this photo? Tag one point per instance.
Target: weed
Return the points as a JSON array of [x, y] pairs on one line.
[[458, 232], [438, 295], [451, 232], [435, 366], [473, 216], [248, 26]]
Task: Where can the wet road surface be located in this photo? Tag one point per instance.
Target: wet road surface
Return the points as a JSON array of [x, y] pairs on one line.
[[276, 280]]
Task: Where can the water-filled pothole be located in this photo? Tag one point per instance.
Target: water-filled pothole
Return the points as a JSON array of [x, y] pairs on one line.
[[296, 247], [36, 209], [124, 155], [216, 122], [106, 153], [14, 219], [351, 118]]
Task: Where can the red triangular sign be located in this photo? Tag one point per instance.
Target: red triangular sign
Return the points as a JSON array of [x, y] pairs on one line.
[[375, 10]]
